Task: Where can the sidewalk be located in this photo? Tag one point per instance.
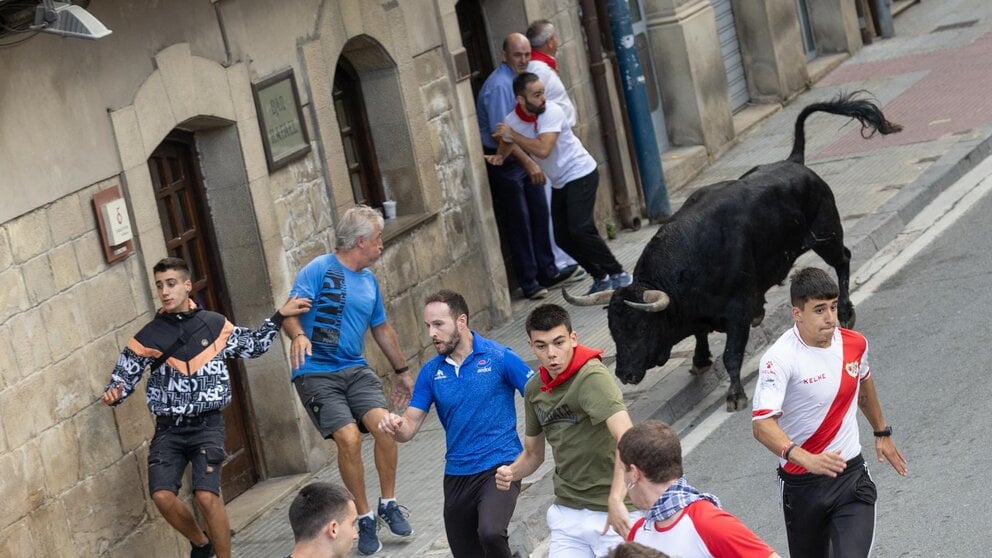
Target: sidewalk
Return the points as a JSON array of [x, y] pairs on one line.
[[933, 82]]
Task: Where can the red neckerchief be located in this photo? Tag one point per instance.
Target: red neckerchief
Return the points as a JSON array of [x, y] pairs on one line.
[[546, 58], [524, 116], [580, 357]]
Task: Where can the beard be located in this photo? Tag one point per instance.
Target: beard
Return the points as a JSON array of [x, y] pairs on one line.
[[448, 347], [535, 109]]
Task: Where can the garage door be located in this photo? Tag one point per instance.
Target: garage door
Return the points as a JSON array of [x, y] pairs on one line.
[[731, 50]]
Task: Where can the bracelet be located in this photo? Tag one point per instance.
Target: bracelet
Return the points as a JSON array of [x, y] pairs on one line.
[[785, 455], [785, 447], [401, 370], [299, 334]]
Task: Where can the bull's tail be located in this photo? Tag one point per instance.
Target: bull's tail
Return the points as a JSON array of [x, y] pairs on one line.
[[868, 114]]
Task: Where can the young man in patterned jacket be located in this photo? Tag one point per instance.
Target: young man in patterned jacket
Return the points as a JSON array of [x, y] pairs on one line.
[[186, 393]]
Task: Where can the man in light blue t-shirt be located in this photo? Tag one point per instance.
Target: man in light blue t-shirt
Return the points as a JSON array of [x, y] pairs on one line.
[[342, 394], [471, 382]]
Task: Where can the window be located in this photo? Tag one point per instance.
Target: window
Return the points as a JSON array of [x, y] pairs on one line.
[[356, 137]]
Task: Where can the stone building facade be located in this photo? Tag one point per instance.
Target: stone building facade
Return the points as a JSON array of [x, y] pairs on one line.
[[163, 111]]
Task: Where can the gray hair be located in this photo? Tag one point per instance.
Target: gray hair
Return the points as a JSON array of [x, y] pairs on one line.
[[356, 224], [540, 32]]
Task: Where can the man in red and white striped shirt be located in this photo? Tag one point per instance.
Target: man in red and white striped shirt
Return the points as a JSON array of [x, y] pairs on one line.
[[804, 412]]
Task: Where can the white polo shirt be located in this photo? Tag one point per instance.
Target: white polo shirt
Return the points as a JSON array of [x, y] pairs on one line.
[[568, 159], [814, 392], [554, 89]]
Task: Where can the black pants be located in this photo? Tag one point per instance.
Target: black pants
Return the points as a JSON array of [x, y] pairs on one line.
[[476, 515], [522, 214], [575, 228], [823, 512]]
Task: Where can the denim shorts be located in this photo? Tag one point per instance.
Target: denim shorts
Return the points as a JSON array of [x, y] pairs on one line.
[[337, 399], [199, 441]]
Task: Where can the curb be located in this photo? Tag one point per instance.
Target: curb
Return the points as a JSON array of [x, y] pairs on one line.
[[864, 238]]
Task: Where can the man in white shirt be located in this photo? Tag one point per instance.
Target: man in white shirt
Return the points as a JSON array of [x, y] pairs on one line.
[[804, 413], [541, 129]]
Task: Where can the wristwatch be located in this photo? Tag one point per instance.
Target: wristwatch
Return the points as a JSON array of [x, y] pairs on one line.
[[884, 433]]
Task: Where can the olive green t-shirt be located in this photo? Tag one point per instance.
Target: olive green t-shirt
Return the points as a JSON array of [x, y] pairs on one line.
[[573, 420]]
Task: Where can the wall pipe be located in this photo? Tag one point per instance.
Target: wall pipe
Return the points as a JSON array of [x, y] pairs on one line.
[[607, 125], [635, 93]]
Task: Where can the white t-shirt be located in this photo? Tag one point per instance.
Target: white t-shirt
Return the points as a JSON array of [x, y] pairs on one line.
[[814, 392], [568, 159], [554, 89]]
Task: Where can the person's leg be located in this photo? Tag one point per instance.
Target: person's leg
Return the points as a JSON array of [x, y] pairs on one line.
[[461, 516], [582, 224], [562, 259], [166, 463], [495, 508], [507, 183], [805, 519], [217, 523], [349, 444], [560, 200], [386, 452], [538, 216], [852, 523], [569, 533]]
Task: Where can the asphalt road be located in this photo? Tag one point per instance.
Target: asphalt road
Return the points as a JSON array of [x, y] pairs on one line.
[[929, 344]]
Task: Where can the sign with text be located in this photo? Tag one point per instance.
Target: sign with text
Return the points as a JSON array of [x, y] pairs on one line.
[[280, 116]]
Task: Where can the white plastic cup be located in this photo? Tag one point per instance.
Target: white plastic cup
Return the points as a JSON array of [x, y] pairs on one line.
[[389, 209]]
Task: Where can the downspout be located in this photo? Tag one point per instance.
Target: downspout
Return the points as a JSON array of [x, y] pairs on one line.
[[635, 93], [597, 70]]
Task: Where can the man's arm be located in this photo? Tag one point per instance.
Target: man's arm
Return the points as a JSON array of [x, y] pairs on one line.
[[299, 348], [885, 447], [524, 465], [125, 376], [770, 434], [385, 337], [617, 516], [403, 428], [540, 146]]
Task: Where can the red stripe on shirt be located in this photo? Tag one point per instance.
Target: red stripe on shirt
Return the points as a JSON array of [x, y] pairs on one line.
[[854, 346], [633, 530]]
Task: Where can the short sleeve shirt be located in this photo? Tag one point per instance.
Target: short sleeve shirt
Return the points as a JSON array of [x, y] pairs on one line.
[[496, 98], [554, 89], [813, 391], [568, 159], [475, 405], [345, 305], [573, 420], [701, 531]]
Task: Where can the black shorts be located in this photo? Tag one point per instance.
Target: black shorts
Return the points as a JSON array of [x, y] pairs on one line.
[[199, 440], [334, 400]]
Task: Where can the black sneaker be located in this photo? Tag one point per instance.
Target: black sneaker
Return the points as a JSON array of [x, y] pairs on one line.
[[205, 551]]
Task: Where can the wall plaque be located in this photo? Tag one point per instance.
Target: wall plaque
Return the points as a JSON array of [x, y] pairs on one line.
[[280, 117]]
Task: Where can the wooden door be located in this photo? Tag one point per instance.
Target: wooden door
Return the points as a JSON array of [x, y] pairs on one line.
[[186, 220]]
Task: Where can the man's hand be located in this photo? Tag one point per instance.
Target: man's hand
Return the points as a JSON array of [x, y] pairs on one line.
[[391, 423], [112, 395], [536, 176], [618, 518], [299, 350], [503, 133], [495, 159], [829, 463], [295, 306], [887, 450], [504, 477], [402, 389]]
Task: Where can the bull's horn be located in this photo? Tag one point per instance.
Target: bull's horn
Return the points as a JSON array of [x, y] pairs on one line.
[[654, 301], [595, 299]]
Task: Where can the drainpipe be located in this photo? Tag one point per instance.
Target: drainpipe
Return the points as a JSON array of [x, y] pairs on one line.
[[635, 93], [883, 15], [607, 125]]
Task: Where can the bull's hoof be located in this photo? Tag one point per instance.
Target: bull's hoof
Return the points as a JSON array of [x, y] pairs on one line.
[[736, 403], [756, 321], [849, 323], [700, 370]]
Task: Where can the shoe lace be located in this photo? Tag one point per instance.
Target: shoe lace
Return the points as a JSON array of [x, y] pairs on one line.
[[394, 508]]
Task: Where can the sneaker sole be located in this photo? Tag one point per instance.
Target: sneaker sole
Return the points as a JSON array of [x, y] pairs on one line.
[[390, 529], [371, 553]]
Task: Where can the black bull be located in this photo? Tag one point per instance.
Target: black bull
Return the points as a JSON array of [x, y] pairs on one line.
[[709, 266]]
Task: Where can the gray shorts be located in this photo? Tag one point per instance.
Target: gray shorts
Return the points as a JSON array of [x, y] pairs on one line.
[[340, 398]]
